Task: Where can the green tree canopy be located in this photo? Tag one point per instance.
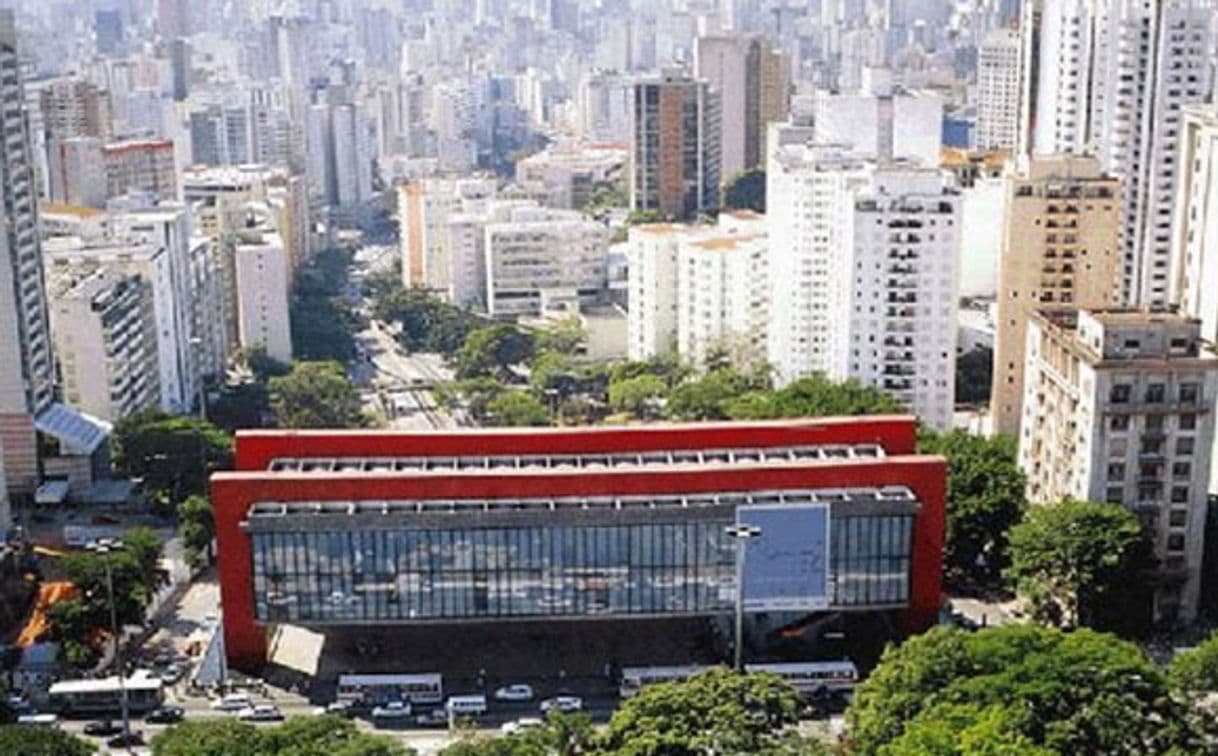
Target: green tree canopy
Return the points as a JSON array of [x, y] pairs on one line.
[[428, 324], [1038, 690], [1080, 563], [298, 736], [707, 397], [1196, 670], [41, 741], [813, 396], [493, 352], [746, 191], [315, 395], [985, 499], [640, 396], [719, 711], [197, 527], [565, 336], [517, 409], [322, 321], [474, 394], [174, 455]]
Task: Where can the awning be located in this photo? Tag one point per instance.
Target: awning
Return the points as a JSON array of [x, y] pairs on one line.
[[76, 432]]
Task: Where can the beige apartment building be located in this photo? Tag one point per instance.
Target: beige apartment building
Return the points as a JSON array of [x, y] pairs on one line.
[[1060, 246], [1118, 406]]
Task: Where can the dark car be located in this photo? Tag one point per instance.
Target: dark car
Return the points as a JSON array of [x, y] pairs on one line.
[[102, 728], [135, 738], [165, 715]]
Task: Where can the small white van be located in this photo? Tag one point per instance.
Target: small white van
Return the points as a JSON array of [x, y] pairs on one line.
[[466, 705]]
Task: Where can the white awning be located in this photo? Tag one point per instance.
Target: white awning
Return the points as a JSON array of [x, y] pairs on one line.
[[76, 432]]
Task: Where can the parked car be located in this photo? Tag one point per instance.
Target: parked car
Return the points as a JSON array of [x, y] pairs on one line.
[[516, 692], [520, 725], [171, 674], [340, 708], [562, 703], [166, 715], [102, 728], [433, 718], [132, 739], [392, 710], [260, 713], [232, 702]]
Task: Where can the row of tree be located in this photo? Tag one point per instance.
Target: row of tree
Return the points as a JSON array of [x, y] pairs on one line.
[[1009, 691]]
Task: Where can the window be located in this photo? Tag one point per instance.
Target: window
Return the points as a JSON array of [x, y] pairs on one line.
[[1156, 392], [1189, 393], [1188, 422], [1175, 542], [1118, 447], [1115, 495], [1179, 494], [1116, 471], [1119, 394], [1181, 470], [1178, 518], [1119, 423], [1154, 423], [1152, 447], [1184, 446]]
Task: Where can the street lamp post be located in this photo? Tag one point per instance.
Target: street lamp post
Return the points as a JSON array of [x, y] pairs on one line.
[[105, 550], [742, 534]]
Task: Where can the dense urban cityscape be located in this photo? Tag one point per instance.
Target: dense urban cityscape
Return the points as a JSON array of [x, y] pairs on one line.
[[559, 377]]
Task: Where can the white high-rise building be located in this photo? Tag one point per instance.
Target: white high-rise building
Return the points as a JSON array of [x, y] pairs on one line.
[[881, 123], [1113, 77], [455, 108], [26, 364], [998, 87], [863, 274], [339, 165], [1118, 406], [261, 265], [652, 290], [1195, 243], [539, 258]]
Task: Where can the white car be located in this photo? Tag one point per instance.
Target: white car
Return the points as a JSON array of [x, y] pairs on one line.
[[392, 710], [562, 703], [232, 702], [260, 713], [520, 725], [518, 692]]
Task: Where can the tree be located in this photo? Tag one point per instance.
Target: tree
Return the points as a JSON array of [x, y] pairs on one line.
[[1079, 563], [315, 395], [813, 396], [718, 711], [427, 323], [493, 352], [560, 735], [746, 191], [706, 398], [298, 736], [475, 394], [985, 499], [1196, 670], [42, 741], [322, 322], [173, 455], [565, 336], [1037, 690], [517, 409], [974, 376], [605, 195], [197, 527], [641, 396]]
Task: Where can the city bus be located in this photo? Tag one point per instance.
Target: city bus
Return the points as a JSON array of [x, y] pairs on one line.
[[814, 678], [635, 679], [424, 688], [145, 692]]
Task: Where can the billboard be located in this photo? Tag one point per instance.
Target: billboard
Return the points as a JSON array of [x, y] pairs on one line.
[[786, 568]]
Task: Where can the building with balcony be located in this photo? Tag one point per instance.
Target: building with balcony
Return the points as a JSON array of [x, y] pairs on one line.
[[349, 531], [1118, 406], [1061, 236], [538, 258]]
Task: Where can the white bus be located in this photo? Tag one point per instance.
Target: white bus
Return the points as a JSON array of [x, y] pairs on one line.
[[635, 679], [145, 692], [814, 678], [372, 689]]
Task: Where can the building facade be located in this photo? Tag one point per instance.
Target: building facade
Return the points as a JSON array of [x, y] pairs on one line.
[[586, 541], [998, 91], [675, 151], [105, 343], [1118, 406], [1195, 226], [26, 364], [541, 256], [1060, 245], [261, 265]]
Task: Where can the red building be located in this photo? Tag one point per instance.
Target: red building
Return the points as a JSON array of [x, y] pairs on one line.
[[369, 528]]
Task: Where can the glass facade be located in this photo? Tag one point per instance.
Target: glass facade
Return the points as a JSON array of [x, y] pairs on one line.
[[328, 575]]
